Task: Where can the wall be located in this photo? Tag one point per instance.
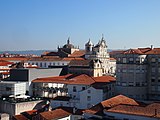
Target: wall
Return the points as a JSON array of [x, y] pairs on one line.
[[17, 108]]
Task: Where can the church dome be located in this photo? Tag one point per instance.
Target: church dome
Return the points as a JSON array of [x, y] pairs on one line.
[[68, 45]]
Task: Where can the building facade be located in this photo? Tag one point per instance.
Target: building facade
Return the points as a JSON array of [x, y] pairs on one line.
[[138, 73]]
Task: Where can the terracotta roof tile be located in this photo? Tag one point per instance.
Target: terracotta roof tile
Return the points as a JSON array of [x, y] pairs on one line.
[[79, 53], [133, 51], [79, 63], [45, 59], [5, 73], [112, 102], [81, 79], [72, 58], [19, 117], [104, 79], [14, 58], [148, 111], [55, 114], [154, 51], [5, 63]]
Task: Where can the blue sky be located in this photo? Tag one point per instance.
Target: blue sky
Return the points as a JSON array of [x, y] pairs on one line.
[[45, 24]]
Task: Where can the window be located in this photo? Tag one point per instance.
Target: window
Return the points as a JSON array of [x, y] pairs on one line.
[[153, 60], [74, 89], [118, 83], [153, 79], [8, 89], [83, 88], [40, 64], [131, 60], [124, 70], [137, 83], [89, 91], [89, 105], [158, 59], [119, 59], [137, 60], [131, 84], [153, 69], [124, 60], [89, 98], [45, 64], [124, 84]]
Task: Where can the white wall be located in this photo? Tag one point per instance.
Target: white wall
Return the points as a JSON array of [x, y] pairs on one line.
[[96, 96]]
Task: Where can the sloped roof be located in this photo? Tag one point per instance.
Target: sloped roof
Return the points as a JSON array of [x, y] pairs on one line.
[[104, 79], [81, 79], [20, 117], [5, 63], [109, 103], [151, 110], [79, 53], [55, 114], [154, 51], [14, 58]]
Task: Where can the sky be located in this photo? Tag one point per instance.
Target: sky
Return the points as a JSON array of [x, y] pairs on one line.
[[45, 24]]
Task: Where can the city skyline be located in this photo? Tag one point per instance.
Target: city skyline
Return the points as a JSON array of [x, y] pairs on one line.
[[36, 25]]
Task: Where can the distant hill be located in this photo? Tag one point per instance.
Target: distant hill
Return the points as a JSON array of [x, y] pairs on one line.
[[35, 52]]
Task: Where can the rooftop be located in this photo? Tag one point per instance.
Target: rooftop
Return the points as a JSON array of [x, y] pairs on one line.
[[112, 102], [82, 79], [151, 110]]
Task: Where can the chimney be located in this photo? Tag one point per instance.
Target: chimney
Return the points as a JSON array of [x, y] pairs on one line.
[[152, 47]]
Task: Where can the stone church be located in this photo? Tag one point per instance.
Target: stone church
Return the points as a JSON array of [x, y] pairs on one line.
[[96, 61]]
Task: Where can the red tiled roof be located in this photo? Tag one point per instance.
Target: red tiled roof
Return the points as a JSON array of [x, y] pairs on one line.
[[114, 52], [5, 63], [148, 111], [133, 51], [104, 79], [45, 59], [79, 63], [5, 73], [19, 117], [68, 79], [72, 58], [55, 114], [82, 79], [112, 102], [55, 79], [4, 69], [14, 58], [79, 53], [144, 50], [154, 51], [31, 112]]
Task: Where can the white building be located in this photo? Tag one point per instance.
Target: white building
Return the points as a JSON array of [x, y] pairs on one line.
[[99, 51], [8, 88], [82, 91]]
